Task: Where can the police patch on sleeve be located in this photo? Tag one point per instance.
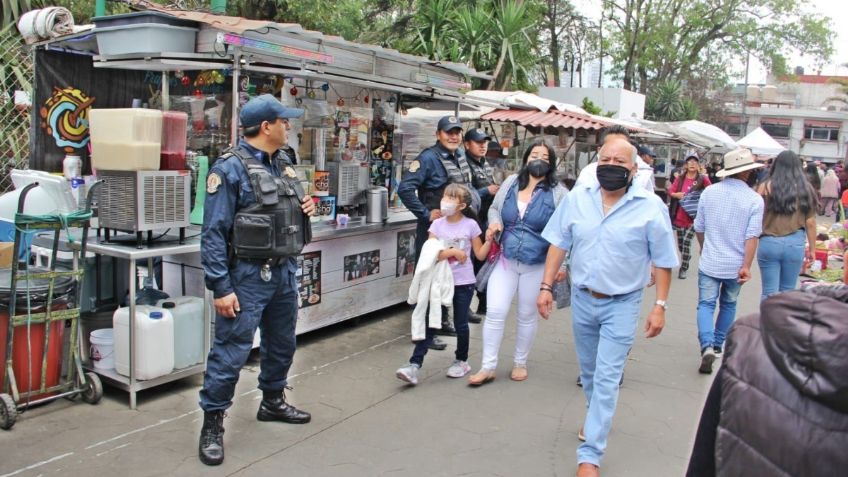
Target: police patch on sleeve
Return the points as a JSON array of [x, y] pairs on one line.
[[414, 166], [212, 183], [290, 172]]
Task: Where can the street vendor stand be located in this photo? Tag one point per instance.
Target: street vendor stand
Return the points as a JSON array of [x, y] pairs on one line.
[[347, 142]]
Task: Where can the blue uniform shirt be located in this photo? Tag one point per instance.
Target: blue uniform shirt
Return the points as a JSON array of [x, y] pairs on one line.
[[611, 254], [233, 193], [428, 173]]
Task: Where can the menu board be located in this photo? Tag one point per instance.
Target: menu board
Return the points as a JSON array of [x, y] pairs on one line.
[[308, 277]]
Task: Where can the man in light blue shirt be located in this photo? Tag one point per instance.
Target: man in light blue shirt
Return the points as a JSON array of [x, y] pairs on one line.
[[728, 226], [614, 231]]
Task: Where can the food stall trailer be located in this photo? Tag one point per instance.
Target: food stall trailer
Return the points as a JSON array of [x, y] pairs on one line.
[[350, 140]]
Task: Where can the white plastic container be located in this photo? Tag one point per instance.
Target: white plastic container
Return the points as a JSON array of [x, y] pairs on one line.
[[102, 348], [187, 312], [154, 338], [128, 139]]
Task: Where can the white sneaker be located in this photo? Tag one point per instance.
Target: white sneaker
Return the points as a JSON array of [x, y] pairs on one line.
[[458, 369], [408, 373], [707, 358]]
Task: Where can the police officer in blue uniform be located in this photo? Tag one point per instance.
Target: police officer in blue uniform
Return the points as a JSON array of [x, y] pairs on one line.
[[424, 183], [482, 179], [258, 289]]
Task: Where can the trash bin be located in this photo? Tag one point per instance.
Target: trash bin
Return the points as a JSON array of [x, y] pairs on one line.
[[28, 340]]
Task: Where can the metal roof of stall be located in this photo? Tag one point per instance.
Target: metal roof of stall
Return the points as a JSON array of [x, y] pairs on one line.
[[288, 49]]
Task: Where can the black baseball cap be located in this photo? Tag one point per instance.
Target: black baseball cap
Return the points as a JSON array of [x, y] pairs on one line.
[[449, 123], [477, 135], [643, 150], [265, 108]]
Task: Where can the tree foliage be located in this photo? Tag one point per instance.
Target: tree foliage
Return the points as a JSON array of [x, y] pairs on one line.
[[667, 102], [657, 40]]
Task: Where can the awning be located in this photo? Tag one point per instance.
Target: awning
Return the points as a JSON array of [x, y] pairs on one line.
[[776, 121], [812, 123], [549, 119]]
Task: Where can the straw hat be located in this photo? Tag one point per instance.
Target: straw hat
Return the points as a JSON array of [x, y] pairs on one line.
[[738, 160]]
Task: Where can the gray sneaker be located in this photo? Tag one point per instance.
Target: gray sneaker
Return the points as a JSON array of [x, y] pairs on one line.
[[458, 369], [408, 373]]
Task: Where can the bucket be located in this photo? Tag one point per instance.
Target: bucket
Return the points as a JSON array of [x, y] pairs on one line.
[[102, 348]]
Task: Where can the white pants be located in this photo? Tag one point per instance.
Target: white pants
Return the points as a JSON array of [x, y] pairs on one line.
[[507, 277]]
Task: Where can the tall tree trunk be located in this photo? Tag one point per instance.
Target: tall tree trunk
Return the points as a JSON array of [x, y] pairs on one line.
[[555, 56]]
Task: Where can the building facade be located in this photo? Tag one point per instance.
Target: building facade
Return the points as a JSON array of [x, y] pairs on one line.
[[807, 115]]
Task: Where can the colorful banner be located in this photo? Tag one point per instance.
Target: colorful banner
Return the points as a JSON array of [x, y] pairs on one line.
[[66, 86]]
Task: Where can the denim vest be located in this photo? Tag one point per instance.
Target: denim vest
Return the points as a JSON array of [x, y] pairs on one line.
[[522, 237]]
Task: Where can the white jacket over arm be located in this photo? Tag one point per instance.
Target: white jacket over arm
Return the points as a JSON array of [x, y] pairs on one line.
[[432, 285]]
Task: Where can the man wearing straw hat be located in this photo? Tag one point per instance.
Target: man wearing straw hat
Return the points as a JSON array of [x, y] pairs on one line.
[[728, 226]]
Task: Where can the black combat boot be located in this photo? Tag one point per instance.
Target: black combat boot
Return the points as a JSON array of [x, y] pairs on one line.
[[212, 438], [275, 408]]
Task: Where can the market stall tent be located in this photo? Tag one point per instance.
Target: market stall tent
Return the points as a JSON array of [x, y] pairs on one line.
[[761, 144]]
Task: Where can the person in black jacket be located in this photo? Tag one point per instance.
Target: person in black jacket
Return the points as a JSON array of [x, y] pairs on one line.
[[779, 404]]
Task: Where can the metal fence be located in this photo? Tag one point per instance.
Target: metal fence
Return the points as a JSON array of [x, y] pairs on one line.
[[16, 87]]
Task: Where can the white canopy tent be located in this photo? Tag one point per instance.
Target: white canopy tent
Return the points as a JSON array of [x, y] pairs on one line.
[[761, 144]]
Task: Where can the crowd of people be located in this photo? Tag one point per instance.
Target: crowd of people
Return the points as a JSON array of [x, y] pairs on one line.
[[534, 229], [526, 239]]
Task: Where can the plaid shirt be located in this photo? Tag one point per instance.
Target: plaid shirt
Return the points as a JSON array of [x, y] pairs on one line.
[[729, 213]]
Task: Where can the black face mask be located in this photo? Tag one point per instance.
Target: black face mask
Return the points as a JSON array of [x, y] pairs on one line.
[[613, 177], [538, 168]]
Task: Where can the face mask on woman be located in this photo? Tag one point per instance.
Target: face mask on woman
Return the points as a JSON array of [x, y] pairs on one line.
[[538, 168], [613, 177]]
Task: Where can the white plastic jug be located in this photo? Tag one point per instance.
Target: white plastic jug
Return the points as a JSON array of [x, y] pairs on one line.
[[187, 312], [154, 339]]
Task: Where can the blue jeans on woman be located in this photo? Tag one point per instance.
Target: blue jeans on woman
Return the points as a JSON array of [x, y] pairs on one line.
[[462, 295], [710, 289], [780, 260]]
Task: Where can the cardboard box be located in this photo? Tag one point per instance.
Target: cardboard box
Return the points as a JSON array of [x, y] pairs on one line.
[[6, 254]]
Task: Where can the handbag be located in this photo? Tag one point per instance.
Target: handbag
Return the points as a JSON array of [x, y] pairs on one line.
[[689, 202], [492, 259]]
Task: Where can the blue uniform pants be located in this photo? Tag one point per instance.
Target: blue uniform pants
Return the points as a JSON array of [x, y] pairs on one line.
[[272, 307], [604, 329]]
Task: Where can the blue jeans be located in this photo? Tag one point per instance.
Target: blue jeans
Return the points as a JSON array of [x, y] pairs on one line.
[[726, 291], [462, 295], [604, 329], [272, 307], [780, 260]]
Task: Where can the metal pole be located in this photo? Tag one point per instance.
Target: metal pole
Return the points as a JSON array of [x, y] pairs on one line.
[[745, 100], [235, 100]]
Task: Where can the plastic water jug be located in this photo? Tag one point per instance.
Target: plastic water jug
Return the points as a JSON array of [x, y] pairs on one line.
[[154, 339], [187, 312]]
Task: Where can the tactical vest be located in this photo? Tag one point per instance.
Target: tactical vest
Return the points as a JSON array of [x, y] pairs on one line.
[[274, 227], [432, 198], [482, 175]]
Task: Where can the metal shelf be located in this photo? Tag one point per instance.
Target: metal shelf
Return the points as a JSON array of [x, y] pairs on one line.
[[128, 251]]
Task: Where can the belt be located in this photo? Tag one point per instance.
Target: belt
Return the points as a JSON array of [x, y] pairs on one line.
[[596, 294]]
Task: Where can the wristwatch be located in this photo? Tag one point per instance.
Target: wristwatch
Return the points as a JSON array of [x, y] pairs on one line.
[[661, 303]]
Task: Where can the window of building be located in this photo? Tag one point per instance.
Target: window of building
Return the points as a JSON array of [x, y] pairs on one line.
[[821, 130], [776, 130], [820, 133]]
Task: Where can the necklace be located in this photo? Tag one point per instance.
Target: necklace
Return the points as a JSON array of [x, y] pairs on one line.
[[606, 206]]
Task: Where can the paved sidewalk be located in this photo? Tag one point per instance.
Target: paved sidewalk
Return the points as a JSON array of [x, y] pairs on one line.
[[368, 423]]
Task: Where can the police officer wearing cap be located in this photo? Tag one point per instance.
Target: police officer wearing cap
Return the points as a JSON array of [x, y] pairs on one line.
[[424, 183], [249, 263], [482, 179]]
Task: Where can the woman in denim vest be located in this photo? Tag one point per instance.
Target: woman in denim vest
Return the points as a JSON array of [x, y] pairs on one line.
[[520, 211]]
